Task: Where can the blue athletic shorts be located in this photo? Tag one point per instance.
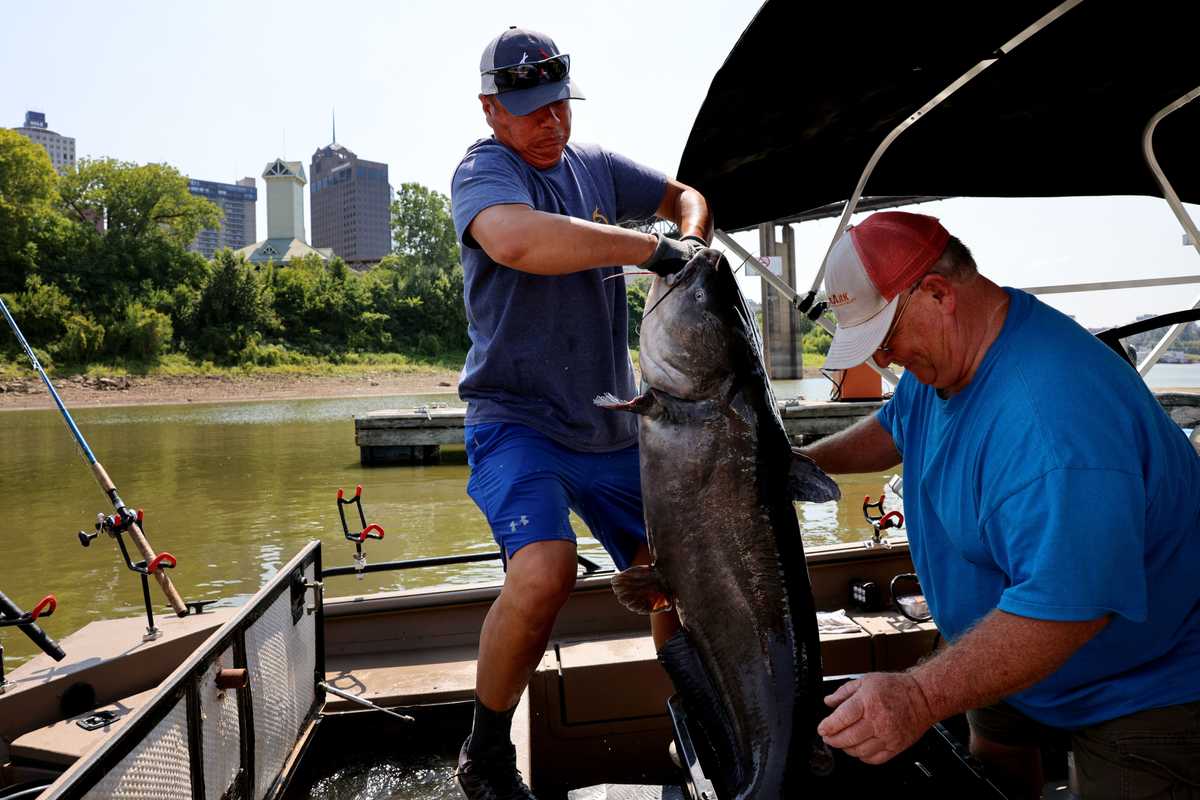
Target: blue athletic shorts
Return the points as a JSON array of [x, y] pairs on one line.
[[526, 483]]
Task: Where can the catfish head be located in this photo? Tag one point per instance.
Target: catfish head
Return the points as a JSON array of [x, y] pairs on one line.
[[696, 330]]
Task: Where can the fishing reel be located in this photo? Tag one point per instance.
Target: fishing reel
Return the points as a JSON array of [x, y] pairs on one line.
[[116, 524], [365, 531], [880, 521]]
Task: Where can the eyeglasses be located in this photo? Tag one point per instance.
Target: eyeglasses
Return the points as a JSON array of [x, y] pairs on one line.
[[887, 339], [534, 73]]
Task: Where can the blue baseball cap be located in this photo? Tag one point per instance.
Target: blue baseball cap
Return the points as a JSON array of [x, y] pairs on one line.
[[525, 71]]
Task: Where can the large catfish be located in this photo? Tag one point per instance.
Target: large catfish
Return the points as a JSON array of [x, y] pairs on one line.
[[718, 481]]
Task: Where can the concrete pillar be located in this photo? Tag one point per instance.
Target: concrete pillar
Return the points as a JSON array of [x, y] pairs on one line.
[[782, 349]]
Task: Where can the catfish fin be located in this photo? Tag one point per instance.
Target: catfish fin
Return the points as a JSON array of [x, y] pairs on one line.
[[641, 590], [646, 404], [808, 482], [702, 702]]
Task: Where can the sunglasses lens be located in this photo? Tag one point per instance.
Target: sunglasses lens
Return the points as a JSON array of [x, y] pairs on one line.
[[527, 76]]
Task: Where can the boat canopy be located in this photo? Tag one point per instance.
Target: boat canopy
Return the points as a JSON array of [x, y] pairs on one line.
[[811, 89]]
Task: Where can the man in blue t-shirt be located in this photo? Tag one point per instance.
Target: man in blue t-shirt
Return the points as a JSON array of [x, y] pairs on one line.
[[1054, 521], [536, 217]]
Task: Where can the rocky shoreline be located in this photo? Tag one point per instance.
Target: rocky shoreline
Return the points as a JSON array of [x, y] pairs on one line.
[[123, 390]]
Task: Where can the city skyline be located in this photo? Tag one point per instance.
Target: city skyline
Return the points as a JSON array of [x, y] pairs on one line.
[[408, 98]]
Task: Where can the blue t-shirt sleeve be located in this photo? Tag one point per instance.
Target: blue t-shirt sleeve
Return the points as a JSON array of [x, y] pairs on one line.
[[1071, 543], [485, 178], [639, 189], [895, 411]]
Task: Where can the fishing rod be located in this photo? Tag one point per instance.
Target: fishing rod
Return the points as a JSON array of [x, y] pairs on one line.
[[126, 519]]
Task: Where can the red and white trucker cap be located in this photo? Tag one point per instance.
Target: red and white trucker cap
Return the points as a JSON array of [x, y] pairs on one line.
[[868, 268]]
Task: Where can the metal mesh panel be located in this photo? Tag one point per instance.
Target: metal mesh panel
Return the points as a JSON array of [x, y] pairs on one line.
[[156, 769], [281, 657], [220, 733]]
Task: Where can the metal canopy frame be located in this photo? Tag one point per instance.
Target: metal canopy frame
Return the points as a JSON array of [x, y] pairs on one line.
[[1181, 214], [805, 303], [857, 202]]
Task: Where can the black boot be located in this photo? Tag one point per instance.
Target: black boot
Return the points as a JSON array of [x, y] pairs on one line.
[[491, 775]]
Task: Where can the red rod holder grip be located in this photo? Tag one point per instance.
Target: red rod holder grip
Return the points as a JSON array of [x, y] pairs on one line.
[[341, 494], [358, 490], [892, 519], [45, 607], [362, 537], [161, 561]]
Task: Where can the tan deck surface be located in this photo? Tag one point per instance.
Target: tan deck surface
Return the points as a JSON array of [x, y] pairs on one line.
[[448, 673], [61, 743], [437, 674]]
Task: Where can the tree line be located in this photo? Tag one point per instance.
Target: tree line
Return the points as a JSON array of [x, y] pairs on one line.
[[95, 268]]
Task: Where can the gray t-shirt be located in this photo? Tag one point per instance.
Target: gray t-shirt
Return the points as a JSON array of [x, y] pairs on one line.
[[542, 347]]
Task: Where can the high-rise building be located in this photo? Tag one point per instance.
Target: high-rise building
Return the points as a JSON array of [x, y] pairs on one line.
[[350, 200], [61, 148], [285, 217], [237, 201]]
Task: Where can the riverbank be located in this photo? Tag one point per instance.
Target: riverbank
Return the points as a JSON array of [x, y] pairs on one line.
[[98, 390]]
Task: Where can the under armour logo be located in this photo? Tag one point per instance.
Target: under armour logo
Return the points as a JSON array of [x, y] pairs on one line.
[[524, 520]]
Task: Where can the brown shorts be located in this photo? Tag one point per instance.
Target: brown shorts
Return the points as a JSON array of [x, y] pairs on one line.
[[1148, 754]]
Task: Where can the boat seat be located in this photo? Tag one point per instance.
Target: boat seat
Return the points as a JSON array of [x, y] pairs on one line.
[[61, 743], [404, 677]]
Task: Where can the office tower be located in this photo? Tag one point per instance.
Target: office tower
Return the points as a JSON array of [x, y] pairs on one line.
[[61, 148], [237, 229], [350, 200]]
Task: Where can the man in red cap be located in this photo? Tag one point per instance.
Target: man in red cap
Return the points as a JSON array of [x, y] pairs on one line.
[[538, 220], [1052, 508]]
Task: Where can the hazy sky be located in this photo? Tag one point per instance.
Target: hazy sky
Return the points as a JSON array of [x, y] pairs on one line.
[[218, 89]]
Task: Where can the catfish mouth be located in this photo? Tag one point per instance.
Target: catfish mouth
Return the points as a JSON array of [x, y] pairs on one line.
[[676, 332]]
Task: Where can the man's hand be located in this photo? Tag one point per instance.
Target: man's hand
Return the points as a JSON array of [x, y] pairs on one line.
[[877, 716], [672, 255]]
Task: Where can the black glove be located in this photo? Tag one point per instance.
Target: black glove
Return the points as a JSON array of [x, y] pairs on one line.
[[672, 255]]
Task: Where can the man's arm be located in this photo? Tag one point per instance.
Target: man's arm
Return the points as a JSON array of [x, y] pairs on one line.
[[553, 244], [688, 209], [866, 446], [882, 713]]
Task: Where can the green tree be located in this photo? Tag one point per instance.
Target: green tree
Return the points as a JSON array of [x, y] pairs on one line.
[[233, 311], [28, 192], [422, 228], [635, 294], [817, 341], [319, 305], [149, 217]]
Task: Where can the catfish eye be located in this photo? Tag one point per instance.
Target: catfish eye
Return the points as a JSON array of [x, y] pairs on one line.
[[699, 295]]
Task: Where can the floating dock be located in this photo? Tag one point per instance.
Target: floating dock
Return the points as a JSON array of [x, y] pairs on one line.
[[415, 435]]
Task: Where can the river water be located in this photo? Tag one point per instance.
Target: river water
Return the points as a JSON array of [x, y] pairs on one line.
[[234, 490]]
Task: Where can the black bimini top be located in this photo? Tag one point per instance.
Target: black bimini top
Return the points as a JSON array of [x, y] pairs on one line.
[[811, 89]]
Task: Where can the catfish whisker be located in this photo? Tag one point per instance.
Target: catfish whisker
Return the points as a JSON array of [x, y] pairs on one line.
[[623, 274]]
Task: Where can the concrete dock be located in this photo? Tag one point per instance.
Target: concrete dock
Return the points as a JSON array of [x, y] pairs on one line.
[[415, 435]]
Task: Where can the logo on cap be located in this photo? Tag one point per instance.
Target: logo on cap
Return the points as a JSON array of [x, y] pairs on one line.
[[840, 298]]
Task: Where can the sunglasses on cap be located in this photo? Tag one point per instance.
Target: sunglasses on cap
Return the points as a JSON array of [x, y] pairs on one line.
[[531, 74]]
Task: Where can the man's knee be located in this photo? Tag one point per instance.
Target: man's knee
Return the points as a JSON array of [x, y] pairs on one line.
[[541, 576]]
